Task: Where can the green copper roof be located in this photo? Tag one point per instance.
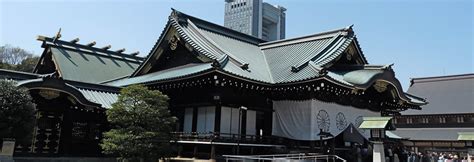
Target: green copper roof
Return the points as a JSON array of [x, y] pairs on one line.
[[360, 77], [106, 99], [276, 62], [231, 52], [90, 67], [392, 135], [466, 136], [246, 53], [375, 122], [269, 62], [172, 73]]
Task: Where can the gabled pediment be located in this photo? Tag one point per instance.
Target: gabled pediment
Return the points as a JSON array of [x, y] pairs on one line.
[[170, 51], [191, 33], [84, 62], [352, 55]]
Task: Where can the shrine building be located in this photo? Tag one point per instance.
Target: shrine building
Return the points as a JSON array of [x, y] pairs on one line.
[[232, 93]]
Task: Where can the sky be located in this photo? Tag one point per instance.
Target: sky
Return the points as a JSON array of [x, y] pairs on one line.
[[421, 38]]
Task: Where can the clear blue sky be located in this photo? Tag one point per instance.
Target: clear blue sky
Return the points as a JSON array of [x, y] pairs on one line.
[[422, 38]]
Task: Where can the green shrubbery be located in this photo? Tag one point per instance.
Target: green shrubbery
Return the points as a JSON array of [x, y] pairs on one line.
[[141, 125], [16, 112]]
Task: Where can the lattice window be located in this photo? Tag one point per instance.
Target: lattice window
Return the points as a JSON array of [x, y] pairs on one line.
[[442, 120], [460, 119], [409, 120]]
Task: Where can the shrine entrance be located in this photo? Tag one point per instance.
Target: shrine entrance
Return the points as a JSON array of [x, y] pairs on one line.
[[67, 124]]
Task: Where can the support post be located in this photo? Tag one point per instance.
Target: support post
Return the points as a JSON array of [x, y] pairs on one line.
[[180, 149], [213, 152], [238, 132], [333, 146], [378, 151], [321, 143], [195, 152], [239, 129]]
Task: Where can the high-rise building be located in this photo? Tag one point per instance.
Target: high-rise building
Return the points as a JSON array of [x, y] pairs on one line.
[[256, 18]]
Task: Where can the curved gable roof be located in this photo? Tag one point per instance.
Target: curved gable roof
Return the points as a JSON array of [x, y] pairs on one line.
[[273, 63], [246, 56]]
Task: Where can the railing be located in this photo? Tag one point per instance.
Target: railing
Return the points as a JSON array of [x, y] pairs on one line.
[[225, 137], [285, 157]]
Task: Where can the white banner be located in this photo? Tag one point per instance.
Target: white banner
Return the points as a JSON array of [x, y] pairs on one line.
[[302, 120]]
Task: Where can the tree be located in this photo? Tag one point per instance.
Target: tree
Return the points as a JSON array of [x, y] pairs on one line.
[[16, 58], [28, 64], [141, 125], [16, 112], [6, 66], [13, 55]]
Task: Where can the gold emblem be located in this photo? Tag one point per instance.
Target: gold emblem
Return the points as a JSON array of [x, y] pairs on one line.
[[48, 94], [380, 86], [173, 43]]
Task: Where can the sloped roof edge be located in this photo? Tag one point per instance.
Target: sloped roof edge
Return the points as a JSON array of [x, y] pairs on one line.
[[442, 78]]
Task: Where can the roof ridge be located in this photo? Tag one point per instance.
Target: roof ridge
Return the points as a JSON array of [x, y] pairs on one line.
[[267, 66], [443, 78], [94, 86], [317, 36], [97, 53], [326, 49], [224, 51], [359, 49], [114, 79], [73, 45], [227, 31]]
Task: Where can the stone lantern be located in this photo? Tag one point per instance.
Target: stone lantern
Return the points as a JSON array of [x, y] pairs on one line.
[[377, 127], [468, 138]]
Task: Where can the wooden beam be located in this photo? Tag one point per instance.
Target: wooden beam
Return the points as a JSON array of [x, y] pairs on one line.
[[91, 44], [135, 53], [41, 38], [106, 47], [120, 50], [74, 40]]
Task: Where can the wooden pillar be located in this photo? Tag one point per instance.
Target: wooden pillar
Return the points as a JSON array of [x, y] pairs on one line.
[[243, 124], [321, 147], [213, 152], [195, 118], [217, 120], [333, 146], [195, 152], [180, 150]]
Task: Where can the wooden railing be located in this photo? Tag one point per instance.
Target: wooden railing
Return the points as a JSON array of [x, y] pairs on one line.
[[225, 137]]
